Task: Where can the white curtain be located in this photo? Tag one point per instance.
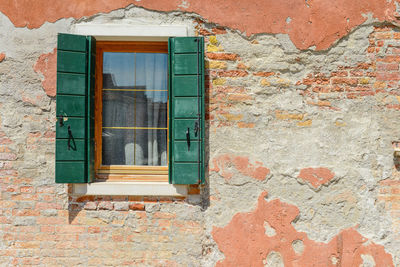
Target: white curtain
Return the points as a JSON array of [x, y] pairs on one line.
[[144, 108]]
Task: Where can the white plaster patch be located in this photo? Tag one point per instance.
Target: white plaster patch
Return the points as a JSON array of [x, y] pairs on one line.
[[269, 231], [274, 259], [334, 260], [368, 261], [298, 246], [184, 4]]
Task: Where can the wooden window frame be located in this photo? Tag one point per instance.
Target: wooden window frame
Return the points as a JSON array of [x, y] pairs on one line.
[[123, 172]]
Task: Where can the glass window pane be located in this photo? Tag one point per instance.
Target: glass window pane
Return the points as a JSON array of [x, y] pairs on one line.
[[134, 147], [134, 109], [118, 70]]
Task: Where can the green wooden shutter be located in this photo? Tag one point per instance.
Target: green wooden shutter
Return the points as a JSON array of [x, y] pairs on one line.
[[186, 103], [75, 112]]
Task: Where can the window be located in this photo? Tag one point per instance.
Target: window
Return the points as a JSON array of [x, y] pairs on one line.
[[134, 110], [131, 93]]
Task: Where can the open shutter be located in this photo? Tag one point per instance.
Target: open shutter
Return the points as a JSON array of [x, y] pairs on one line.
[[75, 92], [186, 102]]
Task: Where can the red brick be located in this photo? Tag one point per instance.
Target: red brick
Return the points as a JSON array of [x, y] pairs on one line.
[[242, 66], [364, 66], [27, 189], [47, 229], [385, 28], [8, 156], [51, 220], [264, 73], [239, 97], [245, 125], [47, 198], [70, 229], [371, 49], [164, 215], [106, 205], [388, 76], [339, 74], [45, 189], [16, 212], [222, 56], [387, 67], [356, 73], [204, 32], [85, 199], [11, 188], [94, 229], [389, 58], [396, 35], [135, 198], [389, 182], [348, 81], [136, 206], [219, 30], [233, 73]]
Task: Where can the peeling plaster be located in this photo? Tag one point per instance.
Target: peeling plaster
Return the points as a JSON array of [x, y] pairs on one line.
[[223, 163], [47, 66], [316, 177], [244, 242], [313, 23]]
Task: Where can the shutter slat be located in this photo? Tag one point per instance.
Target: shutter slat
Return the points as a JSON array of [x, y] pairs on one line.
[[76, 150], [71, 105], [78, 124], [68, 61], [72, 42], [185, 107], [71, 83], [186, 96], [185, 85]]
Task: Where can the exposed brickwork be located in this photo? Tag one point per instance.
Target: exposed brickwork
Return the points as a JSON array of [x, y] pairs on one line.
[[378, 76], [102, 228]]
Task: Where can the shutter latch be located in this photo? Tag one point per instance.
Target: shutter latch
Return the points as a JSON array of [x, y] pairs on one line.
[[188, 138], [61, 121], [69, 137]]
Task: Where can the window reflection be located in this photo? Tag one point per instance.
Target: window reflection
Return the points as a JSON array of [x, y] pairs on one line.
[[134, 109]]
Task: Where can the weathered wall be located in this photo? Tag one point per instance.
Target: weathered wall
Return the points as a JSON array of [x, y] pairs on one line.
[[300, 143]]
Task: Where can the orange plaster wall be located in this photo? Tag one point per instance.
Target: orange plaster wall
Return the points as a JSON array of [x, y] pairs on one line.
[[222, 165], [47, 66], [244, 241], [316, 176], [308, 22]]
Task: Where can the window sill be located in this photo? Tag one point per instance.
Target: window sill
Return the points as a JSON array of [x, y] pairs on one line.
[[130, 189]]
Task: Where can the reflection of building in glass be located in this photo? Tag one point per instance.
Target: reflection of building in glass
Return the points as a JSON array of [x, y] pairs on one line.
[[130, 108]]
